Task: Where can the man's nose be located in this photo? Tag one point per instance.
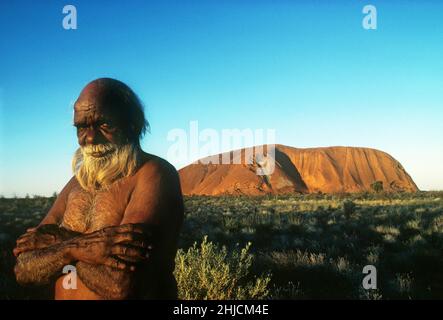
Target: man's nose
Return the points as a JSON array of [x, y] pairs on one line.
[[92, 136]]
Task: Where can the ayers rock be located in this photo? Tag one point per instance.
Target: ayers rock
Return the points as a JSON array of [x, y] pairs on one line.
[[296, 170]]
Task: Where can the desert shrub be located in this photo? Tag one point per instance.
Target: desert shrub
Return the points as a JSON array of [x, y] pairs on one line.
[[297, 258], [348, 208], [288, 291], [377, 186], [208, 271], [370, 294], [404, 283]]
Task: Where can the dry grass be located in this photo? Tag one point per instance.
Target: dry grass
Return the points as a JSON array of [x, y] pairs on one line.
[[208, 272], [312, 246]]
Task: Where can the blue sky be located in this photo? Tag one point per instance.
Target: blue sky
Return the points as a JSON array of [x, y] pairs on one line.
[[306, 69]]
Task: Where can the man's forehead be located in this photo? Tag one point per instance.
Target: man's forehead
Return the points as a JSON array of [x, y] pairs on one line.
[[98, 100], [92, 112], [88, 110], [95, 104], [85, 107], [90, 98]]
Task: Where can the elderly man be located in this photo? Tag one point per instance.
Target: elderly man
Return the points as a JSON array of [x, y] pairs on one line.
[[118, 219]]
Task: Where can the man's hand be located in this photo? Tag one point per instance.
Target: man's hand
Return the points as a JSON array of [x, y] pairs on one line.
[[41, 237], [119, 247]]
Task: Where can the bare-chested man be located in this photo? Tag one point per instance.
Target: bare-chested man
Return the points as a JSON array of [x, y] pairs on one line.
[[118, 219]]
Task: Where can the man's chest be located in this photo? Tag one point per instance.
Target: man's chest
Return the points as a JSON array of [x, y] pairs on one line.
[[88, 212]]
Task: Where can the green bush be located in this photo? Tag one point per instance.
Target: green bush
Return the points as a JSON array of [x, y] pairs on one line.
[[349, 208], [209, 272], [377, 186]]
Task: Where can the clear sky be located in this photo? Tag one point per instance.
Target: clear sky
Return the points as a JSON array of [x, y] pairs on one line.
[[307, 69]]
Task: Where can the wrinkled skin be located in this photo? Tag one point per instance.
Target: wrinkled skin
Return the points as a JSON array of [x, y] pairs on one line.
[[42, 237], [95, 120], [123, 239], [119, 247]]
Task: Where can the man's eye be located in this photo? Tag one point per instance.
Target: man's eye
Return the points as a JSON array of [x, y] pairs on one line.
[[106, 125]]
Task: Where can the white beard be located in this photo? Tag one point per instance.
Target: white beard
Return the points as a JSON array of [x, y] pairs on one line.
[[94, 173]]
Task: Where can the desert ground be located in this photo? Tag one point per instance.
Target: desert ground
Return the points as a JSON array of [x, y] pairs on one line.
[[310, 246]]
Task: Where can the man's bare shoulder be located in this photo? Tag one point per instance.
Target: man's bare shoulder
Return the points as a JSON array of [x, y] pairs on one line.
[[72, 184], [154, 167], [157, 183]]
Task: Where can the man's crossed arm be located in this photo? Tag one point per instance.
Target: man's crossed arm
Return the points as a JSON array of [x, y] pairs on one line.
[[105, 259]]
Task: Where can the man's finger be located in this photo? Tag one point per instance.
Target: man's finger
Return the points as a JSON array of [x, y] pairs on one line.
[[49, 237], [26, 245], [118, 264], [16, 251], [130, 260], [125, 250], [24, 236], [142, 244], [129, 227], [22, 240], [31, 238], [22, 248], [127, 237], [23, 244]]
